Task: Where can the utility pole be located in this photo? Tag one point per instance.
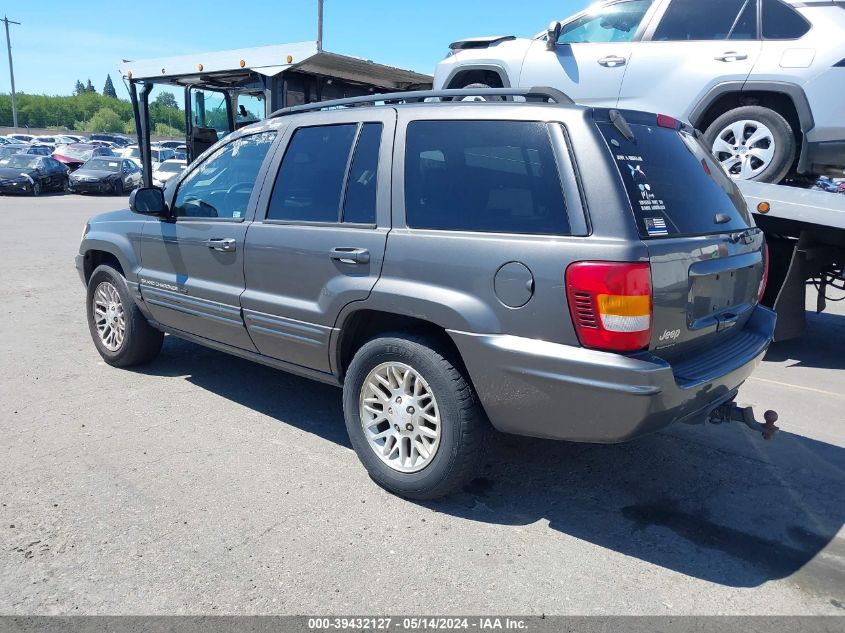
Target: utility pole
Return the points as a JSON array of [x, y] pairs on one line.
[[7, 21], [319, 26]]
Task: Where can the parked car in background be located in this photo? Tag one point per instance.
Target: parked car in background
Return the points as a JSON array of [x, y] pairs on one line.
[[596, 304], [158, 155], [166, 170], [170, 144], [102, 174], [38, 150], [20, 138], [4, 140], [120, 141], [761, 79], [52, 141], [11, 148], [31, 174], [75, 155]]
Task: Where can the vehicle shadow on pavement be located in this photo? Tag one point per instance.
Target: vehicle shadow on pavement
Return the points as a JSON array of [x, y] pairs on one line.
[[824, 333], [715, 503], [306, 404]]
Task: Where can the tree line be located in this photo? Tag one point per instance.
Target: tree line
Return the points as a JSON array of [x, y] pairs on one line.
[[90, 111]]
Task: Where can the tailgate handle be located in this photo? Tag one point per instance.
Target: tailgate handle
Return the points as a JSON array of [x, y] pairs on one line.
[[726, 321], [227, 245]]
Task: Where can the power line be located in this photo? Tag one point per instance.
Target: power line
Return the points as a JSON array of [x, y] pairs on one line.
[[7, 22]]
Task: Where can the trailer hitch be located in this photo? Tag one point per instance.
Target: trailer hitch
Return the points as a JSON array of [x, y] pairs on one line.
[[732, 412]]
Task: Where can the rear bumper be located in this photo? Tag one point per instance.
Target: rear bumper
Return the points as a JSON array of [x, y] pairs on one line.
[[89, 187], [530, 387]]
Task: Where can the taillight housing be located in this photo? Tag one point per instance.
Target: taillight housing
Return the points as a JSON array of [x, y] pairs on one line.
[[765, 279], [610, 304]]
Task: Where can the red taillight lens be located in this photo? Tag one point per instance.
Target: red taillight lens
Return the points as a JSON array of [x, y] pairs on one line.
[[610, 303], [664, 120], [765, 278]]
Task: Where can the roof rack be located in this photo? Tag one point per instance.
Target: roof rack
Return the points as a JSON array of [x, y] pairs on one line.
[[540, 94]]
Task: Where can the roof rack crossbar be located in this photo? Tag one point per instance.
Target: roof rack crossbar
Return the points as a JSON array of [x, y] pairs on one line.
[[541, 94]]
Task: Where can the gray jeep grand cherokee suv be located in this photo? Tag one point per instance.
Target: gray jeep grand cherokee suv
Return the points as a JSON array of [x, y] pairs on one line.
[[546, 269]]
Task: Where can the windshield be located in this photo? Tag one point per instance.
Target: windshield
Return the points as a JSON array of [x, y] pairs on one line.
[[103, 164], [8, 151], [75, 152], [133, 152], [21, 161]]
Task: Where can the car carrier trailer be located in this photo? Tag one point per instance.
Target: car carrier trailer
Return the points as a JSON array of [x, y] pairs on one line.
[[805, 232], [226, 90]]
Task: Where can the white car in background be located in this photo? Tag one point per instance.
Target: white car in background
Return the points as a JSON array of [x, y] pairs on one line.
[[163, 172], [764, 79], [158, 155]]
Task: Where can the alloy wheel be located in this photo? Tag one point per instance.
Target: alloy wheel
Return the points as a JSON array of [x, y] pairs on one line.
[[745, 149], [109, 317], [400, 417]]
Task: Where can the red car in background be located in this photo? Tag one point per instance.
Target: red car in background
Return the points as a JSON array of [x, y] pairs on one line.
[[73, 156]]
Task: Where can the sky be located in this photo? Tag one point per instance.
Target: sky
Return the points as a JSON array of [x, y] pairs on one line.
[[60, 41]]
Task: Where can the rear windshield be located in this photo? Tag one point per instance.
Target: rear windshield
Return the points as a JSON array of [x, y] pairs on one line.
[[675, 186]]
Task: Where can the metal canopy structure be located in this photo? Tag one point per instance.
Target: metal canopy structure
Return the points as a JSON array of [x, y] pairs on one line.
[[281, 75]]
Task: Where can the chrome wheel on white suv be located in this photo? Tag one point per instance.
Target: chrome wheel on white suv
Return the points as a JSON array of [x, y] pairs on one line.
[[753, 143], [745, 149]]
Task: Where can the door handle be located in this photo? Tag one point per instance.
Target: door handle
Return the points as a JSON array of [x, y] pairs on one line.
[[612, 61], [350, 255], [223, 245], [731, 56]]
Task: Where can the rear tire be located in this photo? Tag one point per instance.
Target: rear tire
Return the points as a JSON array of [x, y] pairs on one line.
[[769, 155], [462, 427], [120, 332], [479, 86]]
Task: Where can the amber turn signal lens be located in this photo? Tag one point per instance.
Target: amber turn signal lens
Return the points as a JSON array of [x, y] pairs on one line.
[[243, 63], [290, 59], [199, 67], [764, 207]]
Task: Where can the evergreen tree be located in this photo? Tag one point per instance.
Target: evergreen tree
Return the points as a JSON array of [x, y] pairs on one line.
[[89, 87], [79, 89], [108, 89]]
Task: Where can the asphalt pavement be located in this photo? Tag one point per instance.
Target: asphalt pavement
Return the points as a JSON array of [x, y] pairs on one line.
[[205, 484]]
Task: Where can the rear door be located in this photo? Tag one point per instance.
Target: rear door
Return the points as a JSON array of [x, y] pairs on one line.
[[592, 53], [318, 241], [706, 255], [695, 45]]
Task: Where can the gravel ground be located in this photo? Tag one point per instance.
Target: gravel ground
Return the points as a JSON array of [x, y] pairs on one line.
[[204, 484]]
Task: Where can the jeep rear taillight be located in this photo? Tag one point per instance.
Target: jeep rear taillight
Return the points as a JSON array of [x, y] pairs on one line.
[[610, 303], [765, 279]]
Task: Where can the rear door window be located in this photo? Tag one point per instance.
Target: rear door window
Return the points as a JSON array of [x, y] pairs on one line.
[[487, 176], [697, 20], [675, 186]]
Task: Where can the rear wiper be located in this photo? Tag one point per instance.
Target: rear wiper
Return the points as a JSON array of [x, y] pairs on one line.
[[621, 124]]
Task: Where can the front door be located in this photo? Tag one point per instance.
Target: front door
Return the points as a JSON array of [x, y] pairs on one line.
[[695, 46], [192, 264], [318, 240], [591, 55]]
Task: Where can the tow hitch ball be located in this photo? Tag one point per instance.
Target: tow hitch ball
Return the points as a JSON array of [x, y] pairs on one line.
[[732, 412]]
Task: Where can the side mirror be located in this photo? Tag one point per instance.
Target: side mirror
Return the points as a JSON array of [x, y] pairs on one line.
[[148, 201], [553, 35]]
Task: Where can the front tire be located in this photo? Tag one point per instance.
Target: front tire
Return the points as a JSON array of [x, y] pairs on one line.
[[753, 143], [117, 188], [120, 332], [36, 189], [413, 417]]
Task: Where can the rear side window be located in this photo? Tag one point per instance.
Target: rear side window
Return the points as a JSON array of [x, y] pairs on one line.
[[360, 204], [674, 184], [488, 176], [698, 20], [781, 22]]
